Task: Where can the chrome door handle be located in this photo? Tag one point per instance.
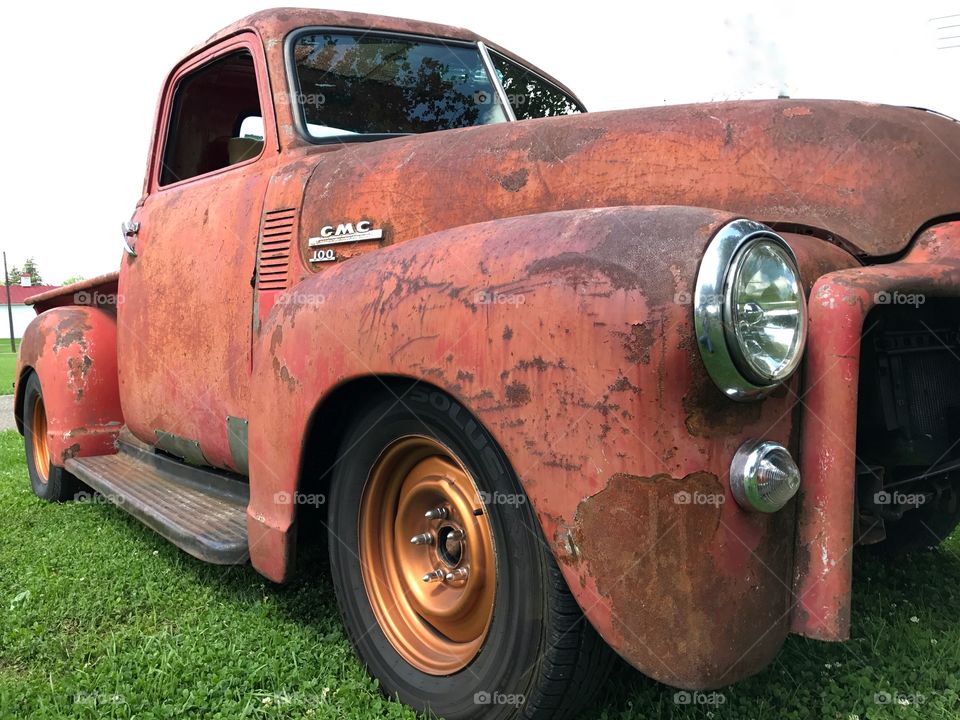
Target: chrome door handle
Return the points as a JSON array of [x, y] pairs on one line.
[[130, 229]]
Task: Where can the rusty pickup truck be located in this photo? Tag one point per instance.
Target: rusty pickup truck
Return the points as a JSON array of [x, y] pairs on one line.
[[551, 383]]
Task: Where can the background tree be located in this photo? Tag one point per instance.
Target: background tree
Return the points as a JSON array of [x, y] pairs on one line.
[[30, 268], [73, 279]]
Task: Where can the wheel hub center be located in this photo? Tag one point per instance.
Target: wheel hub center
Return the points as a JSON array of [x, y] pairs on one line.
[[450, 545]]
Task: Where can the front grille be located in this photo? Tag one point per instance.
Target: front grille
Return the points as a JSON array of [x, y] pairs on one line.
[[910, 384], [908, 423]]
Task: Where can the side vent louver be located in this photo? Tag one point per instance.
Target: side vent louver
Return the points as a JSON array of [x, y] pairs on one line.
[[275, 238]]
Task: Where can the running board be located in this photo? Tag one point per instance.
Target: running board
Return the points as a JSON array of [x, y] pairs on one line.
[[200, 511]]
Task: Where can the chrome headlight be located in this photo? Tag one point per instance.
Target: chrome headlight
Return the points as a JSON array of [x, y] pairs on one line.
[[750, 312]]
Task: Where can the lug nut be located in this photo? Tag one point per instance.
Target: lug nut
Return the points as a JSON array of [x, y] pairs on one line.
[[433, 576], [438, 513], [457, 575], [424, 539]]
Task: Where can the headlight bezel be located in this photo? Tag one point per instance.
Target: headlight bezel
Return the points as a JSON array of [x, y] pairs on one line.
[[719, 347]]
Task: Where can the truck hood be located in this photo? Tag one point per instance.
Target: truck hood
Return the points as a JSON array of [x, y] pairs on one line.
[[868, 176]]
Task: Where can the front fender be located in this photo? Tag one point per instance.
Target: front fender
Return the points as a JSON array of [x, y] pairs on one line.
[[73, 350], [570, 336]]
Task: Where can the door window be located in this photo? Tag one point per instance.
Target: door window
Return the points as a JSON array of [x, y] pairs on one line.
[[210, 119]]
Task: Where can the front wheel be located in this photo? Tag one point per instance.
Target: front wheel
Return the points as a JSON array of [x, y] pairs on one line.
[[447, 588], [49, 482]]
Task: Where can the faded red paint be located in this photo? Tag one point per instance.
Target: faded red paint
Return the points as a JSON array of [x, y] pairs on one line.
[[747, 158], [838, 306], [73, 350], [189, 287], [541, 273], [589, 393]]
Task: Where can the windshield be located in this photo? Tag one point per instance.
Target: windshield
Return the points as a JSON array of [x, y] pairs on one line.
[[374, 85]]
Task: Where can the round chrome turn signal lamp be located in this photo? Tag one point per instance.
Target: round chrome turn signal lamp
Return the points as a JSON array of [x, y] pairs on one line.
[[763, 476]]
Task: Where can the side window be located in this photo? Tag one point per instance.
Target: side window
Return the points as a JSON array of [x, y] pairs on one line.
[[211, 117], [530, 95]]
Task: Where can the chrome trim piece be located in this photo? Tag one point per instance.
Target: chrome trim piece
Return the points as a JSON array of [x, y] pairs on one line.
[[129, 230], [711, 311], [495, 81]]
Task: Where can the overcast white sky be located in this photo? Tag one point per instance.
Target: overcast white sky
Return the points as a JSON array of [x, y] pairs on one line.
[[81, 82]]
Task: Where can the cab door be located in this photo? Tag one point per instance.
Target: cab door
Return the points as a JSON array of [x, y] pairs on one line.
[[186, 283]]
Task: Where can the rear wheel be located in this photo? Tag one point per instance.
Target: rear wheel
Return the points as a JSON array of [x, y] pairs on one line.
[[48, 481], [445, 583]]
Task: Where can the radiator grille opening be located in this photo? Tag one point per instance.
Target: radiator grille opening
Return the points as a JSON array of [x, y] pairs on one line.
[[908, 424]]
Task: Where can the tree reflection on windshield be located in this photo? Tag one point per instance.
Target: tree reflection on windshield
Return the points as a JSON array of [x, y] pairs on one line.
[[374, 84]]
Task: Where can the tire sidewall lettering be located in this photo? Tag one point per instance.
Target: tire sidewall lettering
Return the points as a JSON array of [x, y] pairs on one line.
[[460, 419]]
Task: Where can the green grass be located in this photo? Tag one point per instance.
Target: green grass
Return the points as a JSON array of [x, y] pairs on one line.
[[99, 617], [8, 366]]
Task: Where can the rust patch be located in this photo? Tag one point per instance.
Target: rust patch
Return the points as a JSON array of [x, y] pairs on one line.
[[553, 144], [539, 364], [637, 343], [710, 413], [558, 461], [72, 329], [579, 269], [649, 543], [507, 332], [622, 384], [565, 543], [276, 339], [517, 393], [287, 379], [77, 370], [70, 452], [514, 181]]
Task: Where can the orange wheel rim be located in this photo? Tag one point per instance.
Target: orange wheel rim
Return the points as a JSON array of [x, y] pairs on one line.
[[427, 555], [38, 438]]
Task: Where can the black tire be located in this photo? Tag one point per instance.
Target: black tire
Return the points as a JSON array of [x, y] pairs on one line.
[[50, 483], [541, 655]]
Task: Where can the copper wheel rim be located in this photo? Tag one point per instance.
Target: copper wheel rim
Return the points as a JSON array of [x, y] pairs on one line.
[[433, 599], [38, 439]]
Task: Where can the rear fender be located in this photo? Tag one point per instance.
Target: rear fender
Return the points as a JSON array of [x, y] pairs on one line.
[[73, 350]]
